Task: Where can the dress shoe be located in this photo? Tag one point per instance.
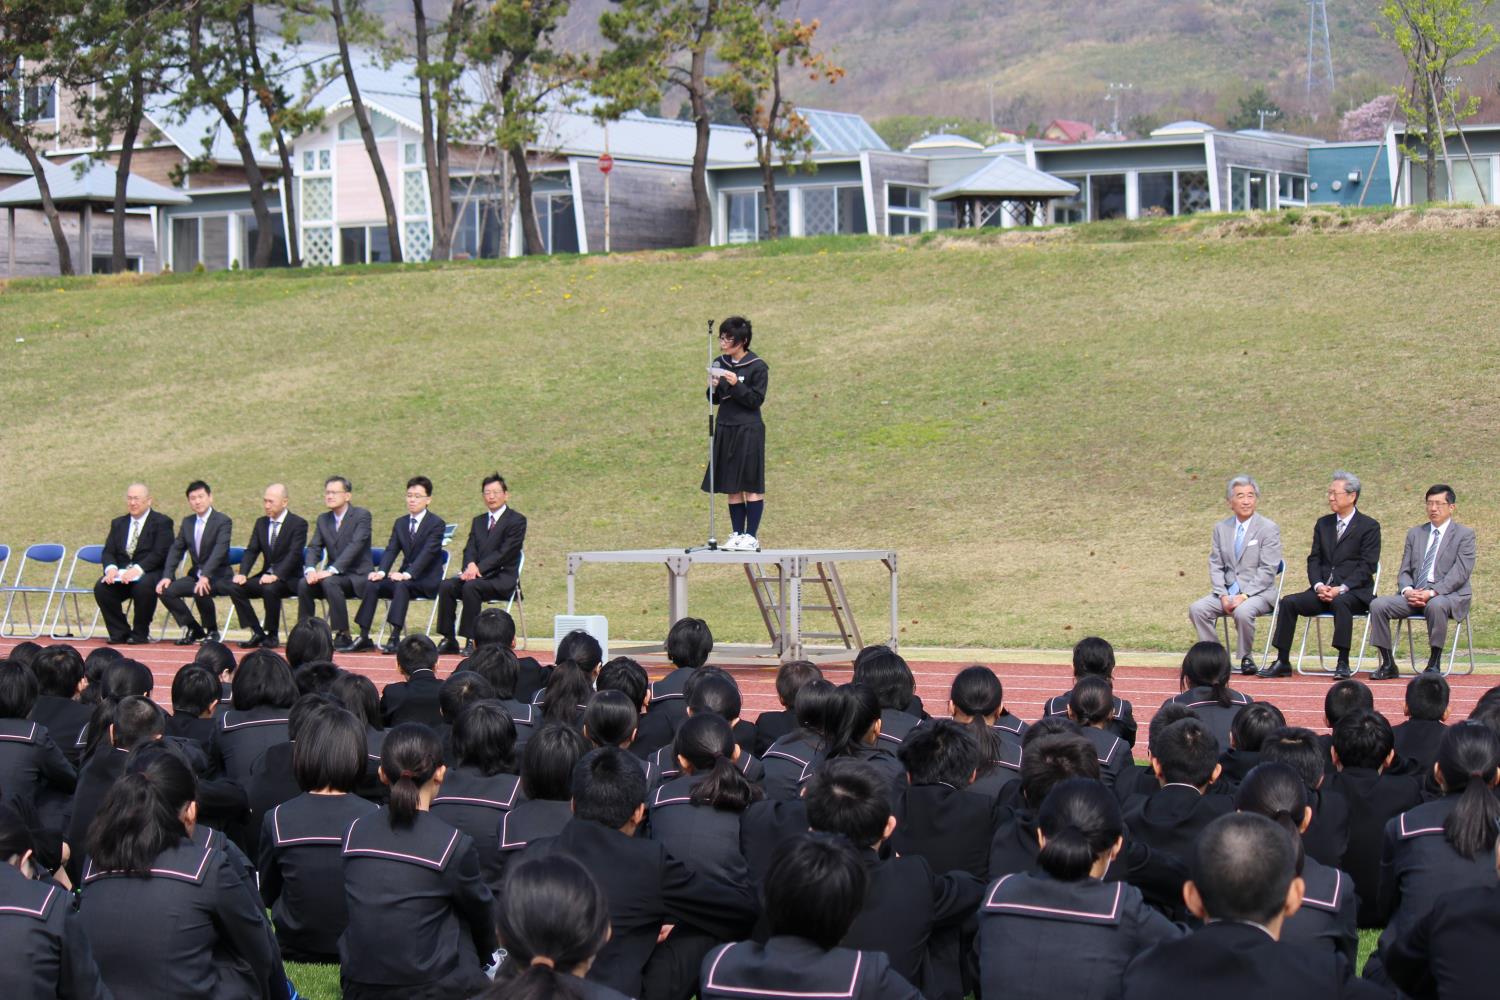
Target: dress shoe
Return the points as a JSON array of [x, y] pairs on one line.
[[213, 635], [1281, 667], [190, 637], [1434, 661], [118, 640], [1387, 671], [340, 640], [1247, 666], [271, 641], [1342, 670], [389, 649], [137, 640], [448, 647], [359, 645], [257, 639]]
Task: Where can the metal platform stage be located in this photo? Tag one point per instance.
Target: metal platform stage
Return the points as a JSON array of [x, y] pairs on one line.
[[780, 580]]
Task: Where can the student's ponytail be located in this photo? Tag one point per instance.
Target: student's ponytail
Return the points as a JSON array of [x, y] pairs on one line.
[[141, 814], [570, 686], [707, 743], [1081, 820], [540, 981], [1207, 665], [552, 919], [855, 711], [977, 693], [121, 679], [1467, 762], [1092, 701], [410, 756], [1276, 791]]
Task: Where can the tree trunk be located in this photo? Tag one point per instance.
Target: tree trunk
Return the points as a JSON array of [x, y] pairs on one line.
[[18, 139], [122, 172], [436, 104], [531, 232], [429, 128], [768, 183], [288, 180], [368, 134], [697, 89]]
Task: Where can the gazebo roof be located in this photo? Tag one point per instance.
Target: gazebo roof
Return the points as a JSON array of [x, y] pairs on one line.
[[1004, 177], [95, 186]]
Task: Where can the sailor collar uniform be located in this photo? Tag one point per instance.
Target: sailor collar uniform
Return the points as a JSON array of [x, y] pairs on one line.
[[1113, 752], [896, 726], [474, 803], [244, 736], [48, 954], [788, 966], [1418, 865], [301, 874], [1218, 718], [662, 767], [1328, 910], [525, 716], [1123, 724], [705, 839], [31, 763], [788, 763]]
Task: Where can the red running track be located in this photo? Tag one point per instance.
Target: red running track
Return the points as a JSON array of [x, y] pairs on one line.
[[1027, 685]]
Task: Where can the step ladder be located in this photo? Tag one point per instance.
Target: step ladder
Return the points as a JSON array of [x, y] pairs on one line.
[[769, 590]]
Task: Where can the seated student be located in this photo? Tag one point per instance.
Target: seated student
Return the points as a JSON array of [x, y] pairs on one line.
[[498, 665], [94, 665], [458, 691], [1362, 755], [1095, 657], [1205, 689], [59, 702], [121, 678], [884, 671], [316, 676], [1341, 698], [1185, 757], [1445, 844], [567, 693], [1327, 836], [272, 778], [420, 920], [24, 652], [975, 700], [611, 720], [547, 764], [1244, 886], [264, 692], [906, 901], [816, 887], [414, 699], [216, 658], [1063, 931], [552, 923], [939, 818], [32, 765], [792, 758], [626, 677], [309, 641], [696, 815], [645, 885], [206, 935], [359, 697], [689, 643], [1092, 706], [483, 784], [1246, 736], [133, 722], [301, 840], [854, 731], [1050, 759], [1450, 952], [1418, 738], [495, 627], [1276, 791], [47, 952], [714, 692], [791, 676], [1141, 779], [195, 703]]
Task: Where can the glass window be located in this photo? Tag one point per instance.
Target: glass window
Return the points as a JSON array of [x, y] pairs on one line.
[[1106, 196], [1249, 190], [382, 126], [1066, 211], [906, 225], [1155, 192], [413, 154], [559, 226], [902, 196], [352, 245], [819, 211], [947, 215], [41, 102], [380, 244], [104, 263], [1192, 192], [1291, 189], [308, 160], [215, 242], [744, 223], [325, 159], [851, 202], [250, 232], [184, 244], [317, 198]]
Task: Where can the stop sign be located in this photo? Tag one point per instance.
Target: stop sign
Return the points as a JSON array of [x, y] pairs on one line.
[[606, 163]]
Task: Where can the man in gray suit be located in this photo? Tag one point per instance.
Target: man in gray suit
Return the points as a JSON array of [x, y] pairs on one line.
[[1434, 582], [204, 538], [1242, 563], [341, 541]]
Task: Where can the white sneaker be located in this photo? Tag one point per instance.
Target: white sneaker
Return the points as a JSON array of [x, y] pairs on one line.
[[748, 544], [729, 544]]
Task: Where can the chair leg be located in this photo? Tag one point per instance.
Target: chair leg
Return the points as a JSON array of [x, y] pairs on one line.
[[521, 620], [1363, 642], [1411, 643]]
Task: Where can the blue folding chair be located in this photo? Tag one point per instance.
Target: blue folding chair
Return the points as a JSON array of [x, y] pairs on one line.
[[1317, 623], [236, 554], [45, 553], [1225, 620], [91, 556], [448, 530]]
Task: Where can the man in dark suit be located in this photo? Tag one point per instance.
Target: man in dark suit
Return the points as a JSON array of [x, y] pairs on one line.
[[341, 541], [134, 554], [279, 537], [418, 539], [204, 539], [1341, 568], [492, 559]]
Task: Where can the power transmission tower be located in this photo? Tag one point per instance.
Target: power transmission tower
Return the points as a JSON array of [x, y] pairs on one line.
[[1319, 54]]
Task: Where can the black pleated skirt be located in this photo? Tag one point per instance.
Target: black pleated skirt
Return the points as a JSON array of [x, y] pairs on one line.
[[739, 459]]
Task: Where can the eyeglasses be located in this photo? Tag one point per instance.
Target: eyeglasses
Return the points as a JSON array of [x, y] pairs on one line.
[[415, 494], [1341, 493], [1437, 504]]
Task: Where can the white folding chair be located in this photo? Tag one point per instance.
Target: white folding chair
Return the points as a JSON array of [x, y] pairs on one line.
[[90, 555], [1317, 623], [44, 553], [1458, 625], [517, 602], [1227, 620]]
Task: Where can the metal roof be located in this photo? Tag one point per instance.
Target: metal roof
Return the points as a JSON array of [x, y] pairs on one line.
[[96, 185], [1004, 177], [841, 132], [944, 140], [13, 162], [1187, 126]]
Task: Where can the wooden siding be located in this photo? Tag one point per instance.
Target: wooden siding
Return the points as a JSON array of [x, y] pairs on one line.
[[36, 253], [650, 207]]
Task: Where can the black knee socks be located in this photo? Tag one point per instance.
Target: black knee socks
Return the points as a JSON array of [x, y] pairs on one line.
[[737, 517], [753, 510]]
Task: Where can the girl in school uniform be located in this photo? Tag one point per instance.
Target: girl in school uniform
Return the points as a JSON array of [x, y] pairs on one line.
[[484, 785], [884, 670], [1092, 706], [358, 694], [264, 692], [1205, 688], [976, 700], [1095, 657], [739, 433], [610, 720], [791, 759], [546, 790], [1063, 931], [32, 765], [697, 814], [420, 923]]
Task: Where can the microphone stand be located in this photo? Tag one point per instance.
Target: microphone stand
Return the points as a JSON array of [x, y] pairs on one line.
[[712, 544]]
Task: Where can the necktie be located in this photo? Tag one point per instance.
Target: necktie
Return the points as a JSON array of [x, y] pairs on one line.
[[1338, 533], [338, 523], [271, 535], [198, 536], [1431, 558], [135, 535], [1239, 539], [493, 519], [412, 530]]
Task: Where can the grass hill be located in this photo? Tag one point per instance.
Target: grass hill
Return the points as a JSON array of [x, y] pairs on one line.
[[1041, 424]]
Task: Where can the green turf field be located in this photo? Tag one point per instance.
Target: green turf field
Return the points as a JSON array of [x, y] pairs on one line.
[[1042, 427]]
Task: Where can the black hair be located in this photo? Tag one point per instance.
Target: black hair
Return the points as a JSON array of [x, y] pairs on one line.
[[195, 486], [816, 704], [332, 753], [610, 719], [1188, 753], [94, 665], [706, 742], [553, 918], [940, 751], [1172, 711], [496, 664], [569, 687], [1344, 696], [25, 652], [1049, 725], [216, 657], [18, 690], [1301, 749], [1427, 697], [310, 639], [1242, 866], [885, 672], [358, 695], [1207, 665], [137, 721], [421, 481], [1277, 792], [494, 627], [315, 676], [461, 690], [1253, 723], [264, 678], [736, 329], [608, 787], [141, 815], [1466, 762], [18, 831], [581, 649], [1092, 700], [626, 676], [1093, 657], [710, 689], [1081, 821], [494, 477], [689, 642], [977, 693], [849, 797], [410, 756], [58, 669], [1363, 738], [195, 690], [484, 738], [416, 652], [121, 679], [1490, 699], [1051, 760], [855, 713], [343, 482], [814, 888], [1444, 489], [790, 678], [307, 712], [547, 762]]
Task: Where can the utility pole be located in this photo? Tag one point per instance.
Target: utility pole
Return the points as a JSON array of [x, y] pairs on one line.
[[1267, 113]]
